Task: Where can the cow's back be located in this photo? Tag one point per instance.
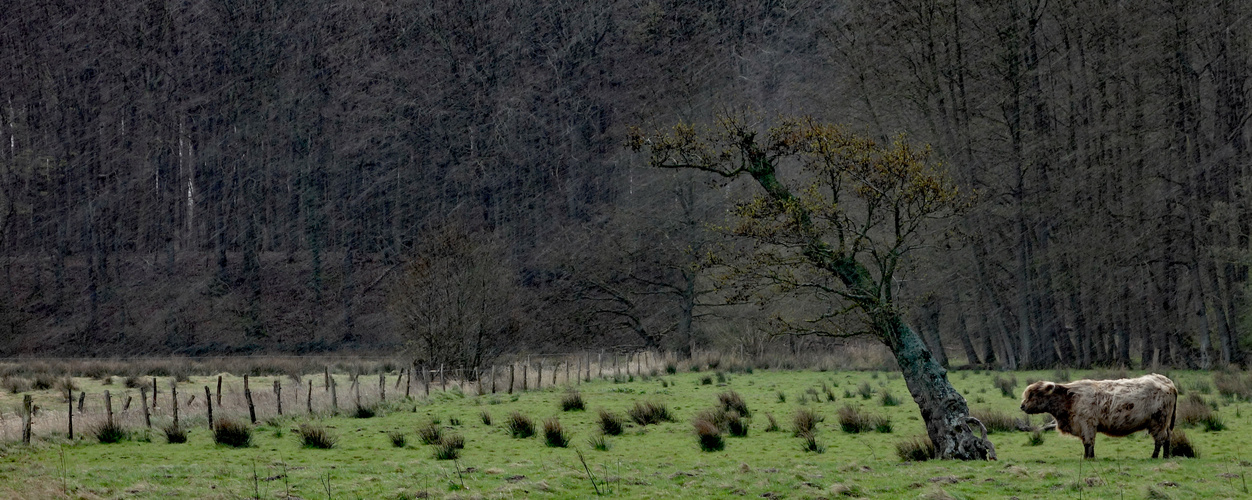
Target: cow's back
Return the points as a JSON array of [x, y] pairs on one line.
[[1121, 407]]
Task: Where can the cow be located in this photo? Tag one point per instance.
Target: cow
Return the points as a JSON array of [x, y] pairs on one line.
[[1114, 407]]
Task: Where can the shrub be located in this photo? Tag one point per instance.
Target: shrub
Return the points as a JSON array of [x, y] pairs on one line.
[[1233, 385], [67, 387], [521, 426], [649, 413], [1006, 385], [671, 368], [809, 443], [110, 432], [721, 377], [15, 385], [709, 436], [573, 401], [175, 434], [915, 449], [706, 380], [553, 434], [731, 401], [134, 382], [43, 382], [486, 417], [889, 399], [232, 433], [610, 423], [805, 422], [397, 438], [430, 434], [995, 420], [599, 442], [1180, 446], [1192, 411], [316, 436]]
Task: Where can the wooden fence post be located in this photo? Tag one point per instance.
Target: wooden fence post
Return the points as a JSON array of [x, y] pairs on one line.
[[143, 399], [382, 386], [309, 399], [26, 418], [493, 378], [478, 378], [126, 406], [174, 400], [555, 366], [208, 401], [426, 380], [247, 394], [219, 391], [82, 396], [334, 395], [539, 375], [108, 407], [443, 379], [512, 370], [70, 414], [326, 374], [600, 364], [154, 394], [399, 378], [278, 395], [526, 375], [409, 382], [567, 370]]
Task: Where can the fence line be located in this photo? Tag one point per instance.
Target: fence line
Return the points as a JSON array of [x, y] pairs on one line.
[[234, 398]]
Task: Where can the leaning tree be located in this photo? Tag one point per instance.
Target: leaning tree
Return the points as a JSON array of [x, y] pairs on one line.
[[836, 217]]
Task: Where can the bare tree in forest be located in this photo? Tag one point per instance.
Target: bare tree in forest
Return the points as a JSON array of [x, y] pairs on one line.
[[836, 216]]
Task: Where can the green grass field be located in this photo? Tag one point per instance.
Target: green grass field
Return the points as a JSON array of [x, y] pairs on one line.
[[654, 461]]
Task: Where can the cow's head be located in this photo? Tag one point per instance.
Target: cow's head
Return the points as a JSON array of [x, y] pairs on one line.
[[1044, 397]]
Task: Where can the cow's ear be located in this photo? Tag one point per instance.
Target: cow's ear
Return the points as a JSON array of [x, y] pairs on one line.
[[1057, 389], [1046, 387]]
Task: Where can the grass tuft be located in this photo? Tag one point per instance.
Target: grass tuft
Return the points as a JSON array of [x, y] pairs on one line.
[[573, 401], [773, 424], [430, 434], [108, 433], [520, 426], [1035, 439], [175, 434], [486, 417], [996, 420], [915, 449], [610, 423], [650, 413], [554, 434], [708, 435], [732, 401], [447, 451], [809, 443], [316, 436], [1180, 446], [232, 433], [398, 439], [805, 422], [365, 411], [599, 442], [853, 421], [889, 399]]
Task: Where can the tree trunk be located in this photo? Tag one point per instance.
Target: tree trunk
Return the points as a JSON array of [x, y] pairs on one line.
[[943, 408]]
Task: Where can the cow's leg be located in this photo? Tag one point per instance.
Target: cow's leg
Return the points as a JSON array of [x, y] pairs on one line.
[[1162, 443]]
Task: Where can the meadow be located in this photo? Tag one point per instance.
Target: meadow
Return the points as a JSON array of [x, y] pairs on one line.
[[383, 456]]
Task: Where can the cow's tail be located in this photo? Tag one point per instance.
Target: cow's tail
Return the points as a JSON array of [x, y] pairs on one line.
[[1174, 415]]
